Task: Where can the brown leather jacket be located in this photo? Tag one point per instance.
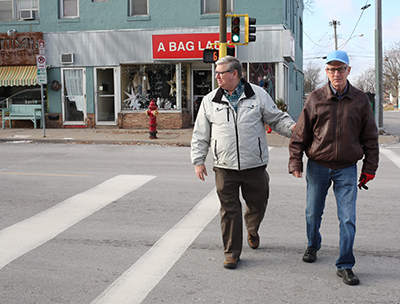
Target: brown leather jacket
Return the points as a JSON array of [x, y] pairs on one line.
[[335, 133]]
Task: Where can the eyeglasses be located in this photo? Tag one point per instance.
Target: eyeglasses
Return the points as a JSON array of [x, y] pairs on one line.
[[220, 73], [341, 70]]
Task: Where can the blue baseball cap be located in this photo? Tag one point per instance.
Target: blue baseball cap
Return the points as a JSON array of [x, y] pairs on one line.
[[338, 56]]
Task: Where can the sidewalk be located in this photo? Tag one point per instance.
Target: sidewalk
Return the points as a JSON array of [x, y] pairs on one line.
[[175, 137]]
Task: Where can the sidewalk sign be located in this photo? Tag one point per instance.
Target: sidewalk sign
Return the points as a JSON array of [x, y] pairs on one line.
[[42, 78]]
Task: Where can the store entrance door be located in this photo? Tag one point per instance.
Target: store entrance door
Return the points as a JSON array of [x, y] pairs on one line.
[[106, 113], [74, 96], [202, 85]]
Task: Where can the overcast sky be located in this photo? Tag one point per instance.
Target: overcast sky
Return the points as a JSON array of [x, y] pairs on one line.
[[355, 33]]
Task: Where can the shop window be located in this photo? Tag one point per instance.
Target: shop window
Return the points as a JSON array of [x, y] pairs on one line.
[[69, 9], [12, 10], [263, 74], [138, 8], [212, 6], [158, 82]]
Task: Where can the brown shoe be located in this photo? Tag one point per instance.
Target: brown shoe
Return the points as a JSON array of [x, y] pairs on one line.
[[254, 241], [231, 262]]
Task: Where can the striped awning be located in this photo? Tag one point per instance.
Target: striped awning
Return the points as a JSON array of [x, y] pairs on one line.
[[18, 76]]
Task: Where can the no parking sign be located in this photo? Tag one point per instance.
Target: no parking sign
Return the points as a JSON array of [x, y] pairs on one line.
[[41, 62]]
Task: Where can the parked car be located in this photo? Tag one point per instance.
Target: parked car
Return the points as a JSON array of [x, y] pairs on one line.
[[28, 96]]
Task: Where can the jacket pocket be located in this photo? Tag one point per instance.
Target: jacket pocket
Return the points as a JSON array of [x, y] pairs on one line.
[[260, 149], [215, 151], [221, 115]]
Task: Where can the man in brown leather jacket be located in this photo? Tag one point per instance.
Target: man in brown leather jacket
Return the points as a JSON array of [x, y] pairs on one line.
[[335, 129]]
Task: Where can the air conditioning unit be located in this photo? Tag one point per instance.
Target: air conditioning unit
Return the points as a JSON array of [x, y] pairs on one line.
[[26, 14], [67, 58]]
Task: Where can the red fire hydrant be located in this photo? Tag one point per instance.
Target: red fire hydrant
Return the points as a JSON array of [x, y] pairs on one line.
[[152, 113]]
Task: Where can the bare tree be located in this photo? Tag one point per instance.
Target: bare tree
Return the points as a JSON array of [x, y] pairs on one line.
[[309, 6], [312, 78], [366, 81], [391, 69]]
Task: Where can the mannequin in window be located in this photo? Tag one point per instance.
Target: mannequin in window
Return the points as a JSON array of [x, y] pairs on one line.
[[140, 83]]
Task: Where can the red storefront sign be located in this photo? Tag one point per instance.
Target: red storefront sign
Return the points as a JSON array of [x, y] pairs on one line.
[[183, 46]]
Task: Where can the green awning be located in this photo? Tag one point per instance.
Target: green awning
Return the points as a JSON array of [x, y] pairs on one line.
[[18, 76]]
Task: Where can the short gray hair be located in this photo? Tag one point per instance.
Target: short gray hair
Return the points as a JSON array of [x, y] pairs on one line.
[[233, 64]]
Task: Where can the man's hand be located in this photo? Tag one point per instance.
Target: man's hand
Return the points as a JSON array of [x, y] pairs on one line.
[[365, 178], [298, 174], [293, 127], [200, 171]]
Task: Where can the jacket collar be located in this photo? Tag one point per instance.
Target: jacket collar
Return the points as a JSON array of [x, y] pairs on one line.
[[248, 91], [330, 94]]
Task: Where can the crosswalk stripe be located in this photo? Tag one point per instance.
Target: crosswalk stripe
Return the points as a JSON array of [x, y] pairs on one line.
[[137, 282], [25, 236], [391, 155]]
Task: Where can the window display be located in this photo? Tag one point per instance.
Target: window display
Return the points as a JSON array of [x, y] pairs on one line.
[[263, 74], [157, 82]]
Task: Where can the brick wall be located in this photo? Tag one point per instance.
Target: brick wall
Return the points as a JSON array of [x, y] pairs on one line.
[[165, 120], [126, 120]]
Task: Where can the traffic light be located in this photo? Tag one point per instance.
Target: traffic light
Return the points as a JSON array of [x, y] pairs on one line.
[[235, 29], [249, 29]]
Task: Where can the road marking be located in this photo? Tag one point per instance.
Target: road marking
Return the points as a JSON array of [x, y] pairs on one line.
[[44, 174], [25, 236], [391, 155], [136, 283]]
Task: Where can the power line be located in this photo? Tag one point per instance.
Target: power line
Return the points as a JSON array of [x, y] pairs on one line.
[[359, 18], [313, 40]]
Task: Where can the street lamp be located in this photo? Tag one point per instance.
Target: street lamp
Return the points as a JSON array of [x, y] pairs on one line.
[[355, 36]]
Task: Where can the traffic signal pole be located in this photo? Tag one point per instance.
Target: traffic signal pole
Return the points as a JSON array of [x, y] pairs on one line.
[[222, 29], [211, 55]]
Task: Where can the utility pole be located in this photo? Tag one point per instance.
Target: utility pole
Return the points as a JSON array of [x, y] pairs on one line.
[[378, 65], [335, 23], [222, 29]]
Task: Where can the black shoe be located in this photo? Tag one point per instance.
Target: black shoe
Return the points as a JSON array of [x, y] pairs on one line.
[[348, 276], [310, 255]]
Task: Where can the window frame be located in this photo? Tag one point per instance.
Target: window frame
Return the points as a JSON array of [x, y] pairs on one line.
[[61, 10], [16, 8], [204, 7], [130, 9]]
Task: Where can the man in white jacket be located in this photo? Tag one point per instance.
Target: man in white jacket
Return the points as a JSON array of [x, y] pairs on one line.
[[231, 120]]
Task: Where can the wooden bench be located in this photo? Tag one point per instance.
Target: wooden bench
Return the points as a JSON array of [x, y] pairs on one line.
[[31, 112]]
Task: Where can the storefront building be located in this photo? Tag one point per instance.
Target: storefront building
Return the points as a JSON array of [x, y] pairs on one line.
[[107, 75]]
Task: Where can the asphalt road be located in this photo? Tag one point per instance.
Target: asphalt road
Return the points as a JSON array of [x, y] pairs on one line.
[[391, 122], [132, 224]]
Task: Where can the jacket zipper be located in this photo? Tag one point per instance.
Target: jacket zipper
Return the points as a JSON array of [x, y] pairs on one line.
[[237, 136], [259, 147], [338, 116]]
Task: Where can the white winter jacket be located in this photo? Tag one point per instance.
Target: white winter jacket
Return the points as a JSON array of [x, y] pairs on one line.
[[237, 139]]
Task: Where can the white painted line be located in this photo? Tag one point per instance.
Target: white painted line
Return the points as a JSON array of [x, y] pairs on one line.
[[137, 282], [25, 236], [19, 136], [391, 155]]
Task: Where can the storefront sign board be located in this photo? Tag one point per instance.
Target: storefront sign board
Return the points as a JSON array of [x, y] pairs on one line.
[[19, 48], [183, 46]]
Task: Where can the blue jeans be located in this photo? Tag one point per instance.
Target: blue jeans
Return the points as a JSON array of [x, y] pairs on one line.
[[319, 179]]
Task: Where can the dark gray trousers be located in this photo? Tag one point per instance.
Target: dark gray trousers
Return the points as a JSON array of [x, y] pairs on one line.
[[254, 185]]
